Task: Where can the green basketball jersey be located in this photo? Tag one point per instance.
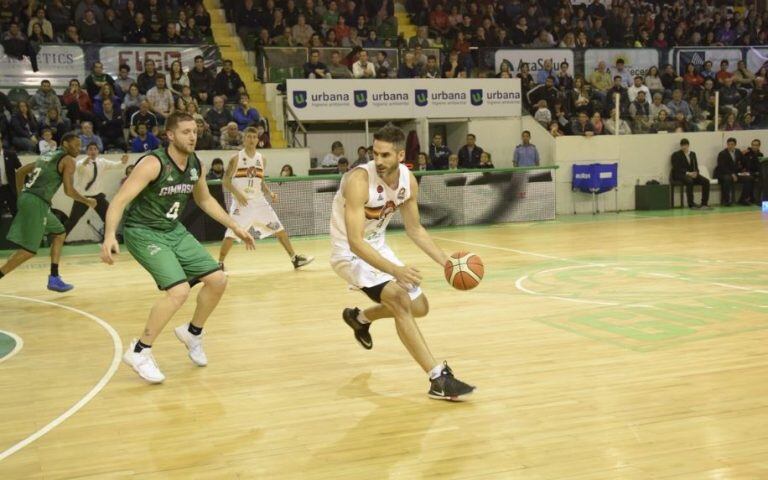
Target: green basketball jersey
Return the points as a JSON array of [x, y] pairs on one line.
[[46, 179], [161, 202]]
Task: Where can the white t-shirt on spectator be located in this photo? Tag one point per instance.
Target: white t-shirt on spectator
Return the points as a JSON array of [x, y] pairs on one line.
[[358, 71]]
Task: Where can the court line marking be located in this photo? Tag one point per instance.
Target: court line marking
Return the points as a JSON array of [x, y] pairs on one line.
[[16, 349], [579, 263], [118, 350]]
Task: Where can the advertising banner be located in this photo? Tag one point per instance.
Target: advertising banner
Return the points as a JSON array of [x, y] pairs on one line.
[[534, 58], [637, 61], [697, 56], [404, 98], [57, 63], [163, 55], [756, 58]]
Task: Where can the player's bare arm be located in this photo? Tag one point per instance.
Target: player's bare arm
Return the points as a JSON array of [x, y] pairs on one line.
[[414, 229], [355, 197], [227, 182], [211, 206], [21, 175], [68, 180], [145, 172]]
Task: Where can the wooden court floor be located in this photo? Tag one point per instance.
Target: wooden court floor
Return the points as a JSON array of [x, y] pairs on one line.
[[616, 347]]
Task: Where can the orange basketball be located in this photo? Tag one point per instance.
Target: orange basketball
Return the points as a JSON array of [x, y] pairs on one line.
[[464, 270]]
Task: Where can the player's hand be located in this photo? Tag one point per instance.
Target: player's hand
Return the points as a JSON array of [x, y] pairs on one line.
[[246, 237], [109, 247], [242, 200], [274, 197], [91, 202], [407, 277]]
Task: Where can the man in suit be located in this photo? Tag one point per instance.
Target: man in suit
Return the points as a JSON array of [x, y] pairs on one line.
[[685, 169], [752, 158], [730, 171], [9, 163]]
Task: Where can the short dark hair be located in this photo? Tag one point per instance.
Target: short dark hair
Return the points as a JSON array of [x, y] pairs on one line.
[[216, 161], [199, 57], [92, 144], [391, 134], [684, 142], [472, 135], [343, 160], [617, 77], [45, 81], [125, 67], [336, 144], [731, 139], [313, 51], [526, 131], [69, 136], [177, 117], [620, 61]]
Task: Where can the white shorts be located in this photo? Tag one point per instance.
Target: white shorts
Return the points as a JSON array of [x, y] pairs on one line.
[[257, 216], [358, 274]]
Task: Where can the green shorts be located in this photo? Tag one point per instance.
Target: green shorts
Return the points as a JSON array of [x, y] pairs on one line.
[[171, 257], [33, 221]]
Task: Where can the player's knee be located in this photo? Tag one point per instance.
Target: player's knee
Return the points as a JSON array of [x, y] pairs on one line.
[[179, 294], [216, 280], [420, 307], [397, 300]]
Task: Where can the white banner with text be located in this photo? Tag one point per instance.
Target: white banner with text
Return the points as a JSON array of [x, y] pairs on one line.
[[404, 98], [637, 61], [57, 63]]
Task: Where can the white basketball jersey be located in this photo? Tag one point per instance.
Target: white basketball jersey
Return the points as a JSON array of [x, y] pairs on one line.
[[249, 174], [379, 209]]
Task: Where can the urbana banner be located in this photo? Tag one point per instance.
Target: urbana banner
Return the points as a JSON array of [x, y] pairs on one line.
[[57, 63], [404, 98]]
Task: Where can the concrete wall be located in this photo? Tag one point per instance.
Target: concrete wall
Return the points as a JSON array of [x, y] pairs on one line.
[[640, 158]]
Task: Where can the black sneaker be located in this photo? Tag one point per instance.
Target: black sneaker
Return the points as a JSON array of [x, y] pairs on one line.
[[448, 387], [300, 261], [361, 329]]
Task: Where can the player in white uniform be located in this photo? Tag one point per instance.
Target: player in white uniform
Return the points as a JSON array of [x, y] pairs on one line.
[[368, 197], [244, 178]]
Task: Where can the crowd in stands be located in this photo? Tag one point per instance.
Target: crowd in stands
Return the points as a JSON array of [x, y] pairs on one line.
[[128, 114], [29, 25]]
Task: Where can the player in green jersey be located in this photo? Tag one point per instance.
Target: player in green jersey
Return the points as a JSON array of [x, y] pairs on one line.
[[35, 219], [157, 190]]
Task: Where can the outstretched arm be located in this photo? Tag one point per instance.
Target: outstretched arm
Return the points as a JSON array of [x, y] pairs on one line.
[[415, 231]]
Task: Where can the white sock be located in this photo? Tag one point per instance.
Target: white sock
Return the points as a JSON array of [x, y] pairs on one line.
[[362, 318], [436, 371]]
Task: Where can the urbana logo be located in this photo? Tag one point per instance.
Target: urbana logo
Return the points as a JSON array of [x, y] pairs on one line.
[[299, 98], [476, 96], [422, 97], [153, 249], [361, 98]]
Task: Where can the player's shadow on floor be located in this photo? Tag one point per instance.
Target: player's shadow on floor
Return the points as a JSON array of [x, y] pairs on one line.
[[391, 434]]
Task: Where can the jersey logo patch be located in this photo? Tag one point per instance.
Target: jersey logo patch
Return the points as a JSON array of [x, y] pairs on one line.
[[153, 249], [401, 194], [193, 175], [379, 213]]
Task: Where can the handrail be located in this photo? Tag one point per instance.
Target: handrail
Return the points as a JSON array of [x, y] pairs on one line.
[[290, 116]]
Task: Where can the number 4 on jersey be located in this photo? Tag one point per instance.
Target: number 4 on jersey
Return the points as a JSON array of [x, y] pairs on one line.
[[173, 213]]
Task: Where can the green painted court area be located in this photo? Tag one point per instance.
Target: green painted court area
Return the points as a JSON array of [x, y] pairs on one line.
[[7, 344]]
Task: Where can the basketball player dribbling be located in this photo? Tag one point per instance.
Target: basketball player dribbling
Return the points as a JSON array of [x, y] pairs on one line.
[[157, 190], [368, 197], [244, 179]]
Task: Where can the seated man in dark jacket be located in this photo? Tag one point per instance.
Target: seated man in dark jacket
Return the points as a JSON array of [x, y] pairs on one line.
[[729, 171], [685, 169], [109, 125], [752, 158], [469, 154]]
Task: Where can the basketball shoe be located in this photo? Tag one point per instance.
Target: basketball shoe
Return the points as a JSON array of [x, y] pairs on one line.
[[143, 363], [448, 387], [362, 335], [56, 284], [301, 260], [194, 344]]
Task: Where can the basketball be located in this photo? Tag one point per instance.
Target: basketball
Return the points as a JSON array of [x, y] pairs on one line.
[[464, 270]]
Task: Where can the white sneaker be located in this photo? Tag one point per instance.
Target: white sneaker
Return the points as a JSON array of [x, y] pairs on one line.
[[194, 344], [143, 363]]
